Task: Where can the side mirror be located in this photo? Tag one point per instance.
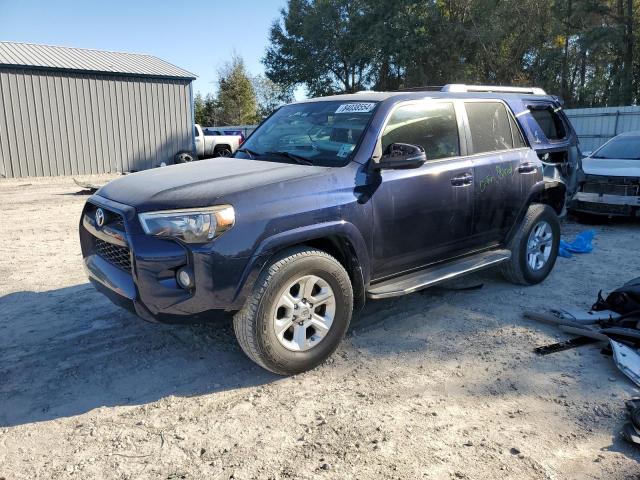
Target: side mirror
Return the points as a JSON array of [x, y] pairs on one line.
[[400, 156]]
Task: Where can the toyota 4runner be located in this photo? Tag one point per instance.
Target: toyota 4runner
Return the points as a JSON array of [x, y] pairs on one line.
[[330, 201]]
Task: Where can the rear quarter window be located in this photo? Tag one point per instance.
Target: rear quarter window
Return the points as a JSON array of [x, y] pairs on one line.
[[549, 122]]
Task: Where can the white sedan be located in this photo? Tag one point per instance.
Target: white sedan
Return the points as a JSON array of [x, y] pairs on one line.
[[611, 184]]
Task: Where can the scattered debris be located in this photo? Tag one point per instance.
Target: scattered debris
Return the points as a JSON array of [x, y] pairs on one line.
[[628, 360], [631, 433], [566, 345], [624, 300], [614, 320], [631, 430], [90, 187], [633, 406], [581, 244]]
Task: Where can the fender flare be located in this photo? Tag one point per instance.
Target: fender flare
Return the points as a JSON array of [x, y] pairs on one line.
[[537, 189], [279, 241]]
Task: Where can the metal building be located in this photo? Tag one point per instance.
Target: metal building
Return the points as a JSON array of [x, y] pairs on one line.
[[595, 126], [69, 111]]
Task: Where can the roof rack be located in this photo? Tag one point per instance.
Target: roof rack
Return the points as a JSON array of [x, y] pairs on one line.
[[462, 88], [426, 88]]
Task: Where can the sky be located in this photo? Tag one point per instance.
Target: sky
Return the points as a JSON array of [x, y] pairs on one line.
[[196, 36]]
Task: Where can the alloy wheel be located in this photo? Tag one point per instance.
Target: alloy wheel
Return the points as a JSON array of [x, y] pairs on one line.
[[539, 245], [304, 313]]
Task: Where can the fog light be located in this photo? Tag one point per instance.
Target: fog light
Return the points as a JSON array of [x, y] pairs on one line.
[[185, 278]]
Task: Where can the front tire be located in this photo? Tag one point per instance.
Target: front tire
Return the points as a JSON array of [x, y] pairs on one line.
[[298, 313], [534, 248]]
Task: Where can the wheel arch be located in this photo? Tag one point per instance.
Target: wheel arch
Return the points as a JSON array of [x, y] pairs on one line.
[[553, 194], [342, 240], [544, 192], [220, 146]]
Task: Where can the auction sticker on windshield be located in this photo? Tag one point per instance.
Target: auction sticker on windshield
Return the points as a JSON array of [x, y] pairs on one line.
[[345, 150], [355, 107]]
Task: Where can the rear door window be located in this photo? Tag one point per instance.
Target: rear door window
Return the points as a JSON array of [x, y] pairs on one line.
[[550, 122], [490, 126], [518, 138], [432, 126]]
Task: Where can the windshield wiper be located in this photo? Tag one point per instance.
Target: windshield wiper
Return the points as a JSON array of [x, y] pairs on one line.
[[251, 153], [296, 158]]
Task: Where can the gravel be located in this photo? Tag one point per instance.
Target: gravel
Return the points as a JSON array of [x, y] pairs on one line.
[[439, 384]]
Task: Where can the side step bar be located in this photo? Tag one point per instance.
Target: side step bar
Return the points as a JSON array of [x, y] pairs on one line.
[[431, 276]]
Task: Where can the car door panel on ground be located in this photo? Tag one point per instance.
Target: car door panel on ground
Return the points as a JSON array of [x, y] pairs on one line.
[[425, 214], [503, 166]]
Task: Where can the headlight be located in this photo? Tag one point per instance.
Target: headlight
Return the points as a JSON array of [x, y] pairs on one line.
[[197, 225]]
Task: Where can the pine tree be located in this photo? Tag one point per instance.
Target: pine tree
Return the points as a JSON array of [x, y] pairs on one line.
[[236, 95]]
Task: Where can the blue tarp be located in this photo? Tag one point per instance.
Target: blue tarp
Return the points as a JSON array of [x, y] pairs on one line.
[[581, 244]]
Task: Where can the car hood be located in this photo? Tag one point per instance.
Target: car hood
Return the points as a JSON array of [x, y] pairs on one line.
[[611, 167], [199, 184]]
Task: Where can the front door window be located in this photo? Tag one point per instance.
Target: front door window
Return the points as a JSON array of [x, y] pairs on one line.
[[432, 126]]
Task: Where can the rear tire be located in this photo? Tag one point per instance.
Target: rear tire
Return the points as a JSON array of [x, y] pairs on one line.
[[280, 328], [222, 151], [534, 247]]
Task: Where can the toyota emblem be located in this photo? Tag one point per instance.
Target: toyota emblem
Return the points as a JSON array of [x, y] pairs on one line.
[[99, 217]]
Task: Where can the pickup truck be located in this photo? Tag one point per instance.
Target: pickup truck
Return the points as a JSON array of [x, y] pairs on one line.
[[331, 201], [210, 143]]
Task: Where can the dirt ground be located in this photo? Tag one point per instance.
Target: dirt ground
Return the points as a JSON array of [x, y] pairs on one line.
[[439, 384]]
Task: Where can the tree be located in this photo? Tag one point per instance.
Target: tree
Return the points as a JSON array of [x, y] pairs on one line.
[[583, 50], [321, 44], [270, 95], [236, 96], [206, 110], [198, 108]]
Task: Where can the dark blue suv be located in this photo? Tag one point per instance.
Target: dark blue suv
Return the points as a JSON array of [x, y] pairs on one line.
[[329, 202]]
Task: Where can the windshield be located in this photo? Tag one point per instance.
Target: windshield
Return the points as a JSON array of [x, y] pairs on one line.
[[323, 133], [623, 148]]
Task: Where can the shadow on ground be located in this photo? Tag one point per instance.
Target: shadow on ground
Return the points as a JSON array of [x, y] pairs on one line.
[[65, 352], [68, 351]]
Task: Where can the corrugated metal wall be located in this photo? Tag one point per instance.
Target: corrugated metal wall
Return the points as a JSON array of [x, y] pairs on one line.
[[58, 123], [597, 125]]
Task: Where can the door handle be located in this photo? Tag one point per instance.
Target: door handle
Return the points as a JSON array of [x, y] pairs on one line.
[[527, 167], [463, 180]]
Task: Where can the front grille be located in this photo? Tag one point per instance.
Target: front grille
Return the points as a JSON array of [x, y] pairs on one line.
[[610, 189], [604, 208], [111, 218], [115, 254]]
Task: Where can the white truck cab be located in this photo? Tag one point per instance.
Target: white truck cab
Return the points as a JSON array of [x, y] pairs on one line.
[[211, 143]]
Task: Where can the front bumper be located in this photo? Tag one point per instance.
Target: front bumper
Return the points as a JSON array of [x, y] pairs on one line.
[[145, 282], [605, 204]]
